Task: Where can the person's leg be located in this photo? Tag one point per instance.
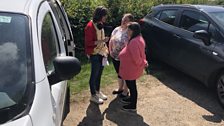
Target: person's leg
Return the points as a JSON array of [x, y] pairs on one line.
[[95, 70], [120, 84], [131, 84], [99, 73], [92, 80], [125, 88], [98, 78], [125, 92], [116, 65]]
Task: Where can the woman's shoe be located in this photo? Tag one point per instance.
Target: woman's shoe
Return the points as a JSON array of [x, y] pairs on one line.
[[123, 96], [126, 100], [96, 99], [117, 92], [101, 95]]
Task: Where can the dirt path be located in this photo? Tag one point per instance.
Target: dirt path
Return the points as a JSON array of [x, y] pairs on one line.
[[166, 98]]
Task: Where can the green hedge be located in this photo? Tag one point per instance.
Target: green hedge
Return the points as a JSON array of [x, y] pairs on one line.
[[80, 12]]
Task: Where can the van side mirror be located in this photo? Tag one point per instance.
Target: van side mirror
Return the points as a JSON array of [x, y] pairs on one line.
[[204, 36], [65, 68]]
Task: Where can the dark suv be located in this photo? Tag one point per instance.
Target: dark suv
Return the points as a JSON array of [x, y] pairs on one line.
[[190, 38]]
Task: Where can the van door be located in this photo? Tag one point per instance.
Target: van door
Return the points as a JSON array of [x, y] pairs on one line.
[[64, 26], [52, 46]]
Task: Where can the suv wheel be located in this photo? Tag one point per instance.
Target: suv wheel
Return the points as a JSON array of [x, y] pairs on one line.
[[220, 89]]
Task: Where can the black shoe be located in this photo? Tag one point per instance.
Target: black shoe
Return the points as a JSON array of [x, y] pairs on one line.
[[117, 92], [129, 108], [122, 96], [126, 100]]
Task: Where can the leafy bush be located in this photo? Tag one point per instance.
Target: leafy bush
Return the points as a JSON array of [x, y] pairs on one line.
[[80, 12]]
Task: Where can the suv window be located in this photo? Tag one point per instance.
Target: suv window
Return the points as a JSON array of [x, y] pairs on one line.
[[215, 34], [49, 43], [167, 16], [193, 21]]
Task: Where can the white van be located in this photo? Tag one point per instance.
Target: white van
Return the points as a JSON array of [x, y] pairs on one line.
[[34, 63]]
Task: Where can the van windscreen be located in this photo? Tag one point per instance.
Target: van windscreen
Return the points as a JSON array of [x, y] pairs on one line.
[[14, 64]]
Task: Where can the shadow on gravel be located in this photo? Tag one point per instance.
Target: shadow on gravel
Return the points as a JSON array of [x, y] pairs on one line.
[[113, 113], [189, 88], [122, 118], [93, 116]]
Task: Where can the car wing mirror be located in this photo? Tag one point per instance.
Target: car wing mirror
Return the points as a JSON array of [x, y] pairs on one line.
[[66, 67], [204, 36]]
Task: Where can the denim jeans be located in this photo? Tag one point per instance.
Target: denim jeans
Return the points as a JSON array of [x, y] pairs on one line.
[[96, 72]]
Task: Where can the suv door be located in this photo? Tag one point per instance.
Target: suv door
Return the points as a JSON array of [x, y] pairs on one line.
[[158, 33], [190, 54]]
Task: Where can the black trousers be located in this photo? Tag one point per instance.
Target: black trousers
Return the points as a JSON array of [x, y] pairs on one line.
[[116, 64], [131, 84]]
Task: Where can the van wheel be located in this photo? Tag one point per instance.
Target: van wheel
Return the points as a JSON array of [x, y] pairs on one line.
[[220, 89]]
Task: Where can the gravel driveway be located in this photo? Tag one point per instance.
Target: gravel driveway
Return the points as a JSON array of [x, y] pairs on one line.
[[166, 97]]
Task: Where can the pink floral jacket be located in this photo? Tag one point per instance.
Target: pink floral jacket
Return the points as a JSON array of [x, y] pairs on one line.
[[133, 59]]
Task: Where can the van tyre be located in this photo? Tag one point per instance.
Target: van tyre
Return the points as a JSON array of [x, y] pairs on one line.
[[220, 89]]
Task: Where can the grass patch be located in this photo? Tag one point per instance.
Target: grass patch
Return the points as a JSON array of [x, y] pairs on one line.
[[81, 81]]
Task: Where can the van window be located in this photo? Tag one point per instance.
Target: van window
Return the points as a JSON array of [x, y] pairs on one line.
[[15, 65], [60, 18], [64, 26], [193, 21], [49, 42], [167, 16]]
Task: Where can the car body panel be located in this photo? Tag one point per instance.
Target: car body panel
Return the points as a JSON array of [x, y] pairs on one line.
[[43, 111], [19, 7], [177, 46], [46, 107], [24, 121], [58, 90]]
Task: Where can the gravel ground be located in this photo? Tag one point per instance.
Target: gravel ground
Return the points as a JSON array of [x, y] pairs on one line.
[[166, 97]]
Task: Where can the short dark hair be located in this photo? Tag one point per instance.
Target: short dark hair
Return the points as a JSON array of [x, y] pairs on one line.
[[135, 27], [99, 12]]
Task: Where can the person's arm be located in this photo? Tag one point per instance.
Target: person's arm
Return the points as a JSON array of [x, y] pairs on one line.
[[135, 52], [110, 47], [111, 41], [101, 41], [89, 37]]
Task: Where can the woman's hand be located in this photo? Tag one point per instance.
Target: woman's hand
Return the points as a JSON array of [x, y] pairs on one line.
[[146, 64], [106, 39], [101, 41]]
